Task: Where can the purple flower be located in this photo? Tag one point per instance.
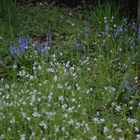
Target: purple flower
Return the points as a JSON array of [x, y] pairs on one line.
[[134, 25], [117, 31], [86, 29], [125, 21], [106, 27], [127, 84], [79, 46], [12, 48], [132, 43], [42, 49], [23, 43], [48, 38], [139, 31]]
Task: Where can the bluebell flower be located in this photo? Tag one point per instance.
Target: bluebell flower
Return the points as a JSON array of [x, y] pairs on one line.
[[127, 84], [134, 25], [43, 49], [125, 23], [48, 38], [117, 31], [12, 48], [97, 33], [84, 47], [106, 27], [86, 29], [80, 46], [132, 43], [139, 31], [23, 43]]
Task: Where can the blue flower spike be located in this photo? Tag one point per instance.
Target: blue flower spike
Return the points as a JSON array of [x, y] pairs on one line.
[[48, 38], [127, 84], [12, 48], [86, 29], [106, 27], [134, 25], [139, 32]]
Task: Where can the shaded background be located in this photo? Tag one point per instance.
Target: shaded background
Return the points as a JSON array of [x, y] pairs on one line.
[[127, 7]]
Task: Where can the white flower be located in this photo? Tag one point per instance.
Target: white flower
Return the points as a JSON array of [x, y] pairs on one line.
[[119, 130], [105, 129], [61, 54], [36, 114], [73, 99], [64, 106], [102, 120], [50, 114], [71, 122], [51, 70], [105, 18], [130, 107], [110, 137], [22, 137], [132, 121], [2, 137], [39, 67], [14, 66], [136, 129], [69, 109], [96, 120], [121, 138], [31, 77], [43, 124], [34, 68], [33, 98], [12, 120], [55, 78], [59, 86], [22, 73], [94, 138], [138, 137], [61, 98], [118, 108], [114, 125]]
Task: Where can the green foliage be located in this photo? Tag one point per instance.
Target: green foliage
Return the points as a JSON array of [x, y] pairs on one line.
[[72, 93], [100, 14], [9, 14]]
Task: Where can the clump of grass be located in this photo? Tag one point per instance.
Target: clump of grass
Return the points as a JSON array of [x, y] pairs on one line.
[[10, 14]]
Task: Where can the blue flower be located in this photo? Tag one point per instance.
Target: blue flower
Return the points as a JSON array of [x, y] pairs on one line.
[[139, 31], [106, 27], [117, 31], [23, 43], [12, 48], [48, 38], [42, 49], [132, 43], [80, 46], [86, 29], [134, 25], [125, 22], [127, 84]]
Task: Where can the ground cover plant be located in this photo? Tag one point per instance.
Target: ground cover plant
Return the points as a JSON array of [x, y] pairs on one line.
[[69, 75]]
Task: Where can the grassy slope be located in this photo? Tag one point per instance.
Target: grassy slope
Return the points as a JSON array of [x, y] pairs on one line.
[[71, 94]]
